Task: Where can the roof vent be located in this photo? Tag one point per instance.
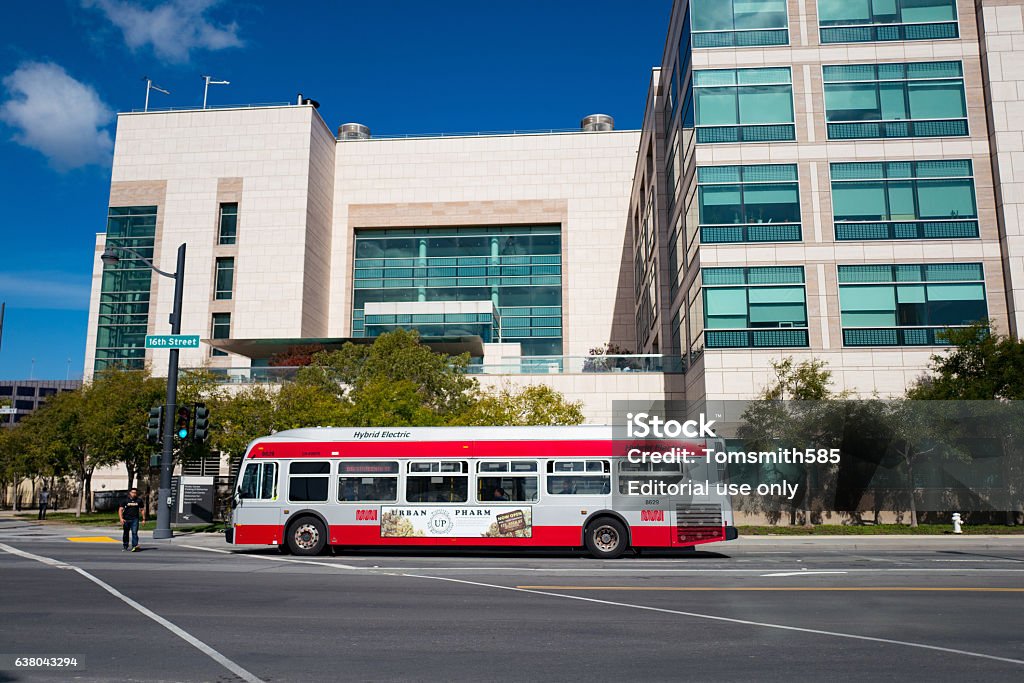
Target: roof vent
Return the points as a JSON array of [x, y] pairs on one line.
[[300, 100], [596, 122], [353, 131]]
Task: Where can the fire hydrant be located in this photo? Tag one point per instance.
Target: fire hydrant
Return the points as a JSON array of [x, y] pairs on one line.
[[956, 523]]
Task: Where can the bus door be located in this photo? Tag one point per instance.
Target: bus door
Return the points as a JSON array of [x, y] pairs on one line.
[[256, 516]]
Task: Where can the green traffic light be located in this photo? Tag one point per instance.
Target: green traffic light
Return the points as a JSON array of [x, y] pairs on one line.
[[182, 433]]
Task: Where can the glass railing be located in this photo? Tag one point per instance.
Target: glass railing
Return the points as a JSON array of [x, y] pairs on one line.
[[526, 365], [898, 129]]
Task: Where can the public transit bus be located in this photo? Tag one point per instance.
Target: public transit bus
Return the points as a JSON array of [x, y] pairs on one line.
[[503, 487]]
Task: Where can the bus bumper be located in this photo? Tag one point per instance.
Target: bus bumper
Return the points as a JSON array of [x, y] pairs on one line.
[[731, 533], [229, 534]]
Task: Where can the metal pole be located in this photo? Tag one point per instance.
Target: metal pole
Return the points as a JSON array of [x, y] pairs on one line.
[[146, 106], [163, 505], [206, 89]]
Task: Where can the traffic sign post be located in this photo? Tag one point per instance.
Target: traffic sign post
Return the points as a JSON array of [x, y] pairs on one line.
[[172, 341]]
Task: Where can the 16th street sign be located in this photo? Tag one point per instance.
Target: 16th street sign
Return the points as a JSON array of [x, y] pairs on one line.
[[172, 341]]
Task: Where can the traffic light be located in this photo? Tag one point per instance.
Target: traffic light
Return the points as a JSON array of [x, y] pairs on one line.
[[156, 419], [201, 426], [184, 427]]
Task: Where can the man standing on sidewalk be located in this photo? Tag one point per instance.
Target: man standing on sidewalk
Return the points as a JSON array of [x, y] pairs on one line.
[[44, 501], [129, 513]]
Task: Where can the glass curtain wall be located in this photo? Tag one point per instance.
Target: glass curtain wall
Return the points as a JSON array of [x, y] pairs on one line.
[[904, 200], [518, 269], [914, 100], [909, 305], [125, 289], [865, 21]]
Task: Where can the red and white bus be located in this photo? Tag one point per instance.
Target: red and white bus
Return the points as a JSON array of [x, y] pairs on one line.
[[470, 486]]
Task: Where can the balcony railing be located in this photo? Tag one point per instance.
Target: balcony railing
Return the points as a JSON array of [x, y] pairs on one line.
[[756, 339], [894, 336], [884, 32], [906, 230], [757, 232], [931, 128], [526, 365]]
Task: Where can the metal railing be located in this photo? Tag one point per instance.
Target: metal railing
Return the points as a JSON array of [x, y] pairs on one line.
[[526, 365], [258, 105]]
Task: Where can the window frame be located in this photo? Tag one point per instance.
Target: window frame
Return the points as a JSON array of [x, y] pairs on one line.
[[735, 32], [921, 224], [787, 334], [218, 293], [910, 122], [918, 335], [743, 184], [261, 467], [739, 126], [327, 476], [873, 26], [222, 239], [440, 473]]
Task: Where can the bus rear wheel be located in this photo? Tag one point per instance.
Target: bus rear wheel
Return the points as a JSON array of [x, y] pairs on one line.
[[606, 538], [307, 536]]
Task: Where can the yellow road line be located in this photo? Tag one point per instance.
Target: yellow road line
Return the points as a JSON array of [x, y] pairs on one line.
[[774, 588], [91, 539]]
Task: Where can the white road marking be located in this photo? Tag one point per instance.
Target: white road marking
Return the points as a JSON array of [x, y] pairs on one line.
[[335, 565], [805, 572], [744, 622], [231, 666]]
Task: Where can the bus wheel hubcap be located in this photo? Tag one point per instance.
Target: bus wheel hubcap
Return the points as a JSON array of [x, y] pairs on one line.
[[306, 536], [606, 538]]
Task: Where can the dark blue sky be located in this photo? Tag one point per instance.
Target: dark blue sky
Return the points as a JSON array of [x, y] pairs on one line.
[[399, 66]]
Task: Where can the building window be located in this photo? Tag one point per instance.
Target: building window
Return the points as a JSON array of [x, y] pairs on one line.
[[740, 23], [744, 105], [915, 100], [518, 269], [228, 230], [760, 307], [909, 305], [124, 289], [221, 329], [225, 280], [904, 200], [749, 204], [866, 21]]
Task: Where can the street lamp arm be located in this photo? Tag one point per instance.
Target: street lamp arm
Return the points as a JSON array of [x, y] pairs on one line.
[[144, 260]]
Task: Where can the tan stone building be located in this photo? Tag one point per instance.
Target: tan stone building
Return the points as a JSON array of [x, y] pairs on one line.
[[830, 179]]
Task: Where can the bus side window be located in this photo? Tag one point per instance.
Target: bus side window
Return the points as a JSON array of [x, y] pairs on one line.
[[268, 488]]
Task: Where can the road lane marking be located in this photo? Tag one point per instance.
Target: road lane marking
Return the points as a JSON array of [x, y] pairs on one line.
[[966, 589], [335, 565], [806, 572], [710, 617], [91, 539], [231, 666]]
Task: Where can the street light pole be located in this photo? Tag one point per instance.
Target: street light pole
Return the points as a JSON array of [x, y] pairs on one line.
[[163, 507]]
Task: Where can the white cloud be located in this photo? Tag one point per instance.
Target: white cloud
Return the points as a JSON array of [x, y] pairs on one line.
[[172, 28], [45, 289], [53, 113]]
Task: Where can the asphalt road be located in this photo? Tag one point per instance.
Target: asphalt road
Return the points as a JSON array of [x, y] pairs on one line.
[[871, 609]]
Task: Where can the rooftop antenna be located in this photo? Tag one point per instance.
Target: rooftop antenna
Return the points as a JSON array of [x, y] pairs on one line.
[[3, 309], [209, 82], [150, 86]]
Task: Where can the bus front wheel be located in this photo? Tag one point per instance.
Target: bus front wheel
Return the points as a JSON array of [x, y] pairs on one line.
[[606, 538], [307, 536]]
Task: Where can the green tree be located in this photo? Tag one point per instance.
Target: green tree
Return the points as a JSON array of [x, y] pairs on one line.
[[794, 409], [537, 404], [436, 384], [981, 365], [236, 420]]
